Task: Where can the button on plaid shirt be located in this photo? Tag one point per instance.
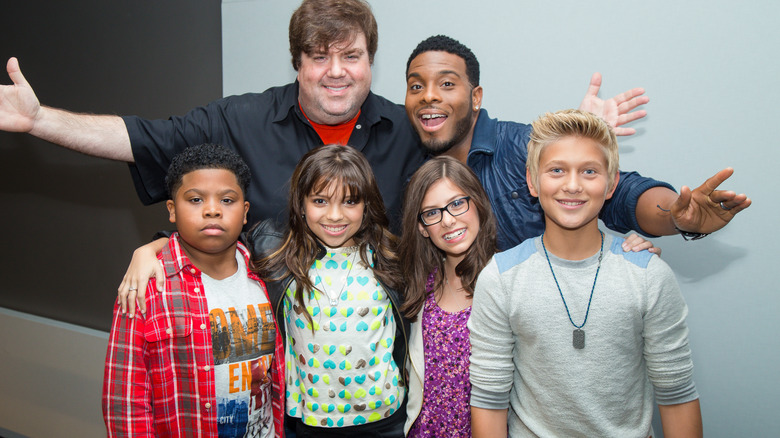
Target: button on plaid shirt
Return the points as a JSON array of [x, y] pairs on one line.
[[159, 375]]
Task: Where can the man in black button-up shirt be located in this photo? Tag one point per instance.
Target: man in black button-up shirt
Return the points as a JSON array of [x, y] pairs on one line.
[[270, 130]]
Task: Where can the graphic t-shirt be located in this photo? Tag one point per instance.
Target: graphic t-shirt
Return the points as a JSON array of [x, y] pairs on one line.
[[242, 333]]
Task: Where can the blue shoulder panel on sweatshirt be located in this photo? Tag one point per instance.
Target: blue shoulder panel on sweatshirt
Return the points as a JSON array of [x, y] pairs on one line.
[[641, 258], [512, 257]]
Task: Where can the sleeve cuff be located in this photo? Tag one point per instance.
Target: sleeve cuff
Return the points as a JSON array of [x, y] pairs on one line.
[[481, 398], [682, 393]]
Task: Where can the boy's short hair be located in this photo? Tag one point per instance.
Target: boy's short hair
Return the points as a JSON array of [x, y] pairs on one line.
[[443, 43], [552, 127], [206, 156]]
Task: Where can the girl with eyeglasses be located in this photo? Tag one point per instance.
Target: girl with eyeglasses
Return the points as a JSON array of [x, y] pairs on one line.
[[449, 235]]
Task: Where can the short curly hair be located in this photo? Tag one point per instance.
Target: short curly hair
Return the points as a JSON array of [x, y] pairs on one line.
[[443, 43], [206, 156]]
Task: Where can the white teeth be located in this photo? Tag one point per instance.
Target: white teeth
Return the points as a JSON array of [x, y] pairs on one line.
[[572, 203], [455, 234], [337, 88], [334, 229], [432, 116]]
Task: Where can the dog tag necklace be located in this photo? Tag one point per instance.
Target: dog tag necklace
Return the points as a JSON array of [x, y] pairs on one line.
[[578, 336]]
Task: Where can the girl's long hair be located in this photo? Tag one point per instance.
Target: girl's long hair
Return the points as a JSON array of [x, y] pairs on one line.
[[317, 169], [419, 256]]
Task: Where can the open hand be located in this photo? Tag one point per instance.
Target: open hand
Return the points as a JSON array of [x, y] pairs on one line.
[[618, 110], [18, 104], [707, 209]]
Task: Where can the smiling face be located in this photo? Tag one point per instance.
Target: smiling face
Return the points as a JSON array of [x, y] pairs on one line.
[[572, 184], [333, 215], [209, 211], [441, 104], [454, 235], [333, 84]]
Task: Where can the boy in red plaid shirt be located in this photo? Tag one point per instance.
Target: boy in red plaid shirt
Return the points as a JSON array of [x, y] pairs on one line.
[[206, 358]]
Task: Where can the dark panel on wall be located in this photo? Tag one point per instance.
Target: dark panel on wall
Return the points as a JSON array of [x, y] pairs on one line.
[[71, 221]]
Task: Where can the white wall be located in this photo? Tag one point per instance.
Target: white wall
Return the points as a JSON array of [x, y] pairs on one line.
[[711, 71]]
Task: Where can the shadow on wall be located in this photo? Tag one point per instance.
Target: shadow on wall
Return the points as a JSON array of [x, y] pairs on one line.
[[696, 261]]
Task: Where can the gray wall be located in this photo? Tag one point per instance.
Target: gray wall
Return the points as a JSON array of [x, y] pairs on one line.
[[710, 69], [76, 219], [52, 377], [71, 222]]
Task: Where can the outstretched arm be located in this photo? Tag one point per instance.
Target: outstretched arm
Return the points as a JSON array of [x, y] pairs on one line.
[[98, 135], [618, 110], [702, 210]]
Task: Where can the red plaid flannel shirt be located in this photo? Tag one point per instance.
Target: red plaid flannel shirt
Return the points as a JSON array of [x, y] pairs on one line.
[[159, 375]]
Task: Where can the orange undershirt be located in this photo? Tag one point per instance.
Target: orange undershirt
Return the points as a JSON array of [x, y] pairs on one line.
[[333, 134]]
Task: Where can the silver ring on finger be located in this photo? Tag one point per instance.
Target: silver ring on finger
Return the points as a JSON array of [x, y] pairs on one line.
[[131, 288], [723, 206]]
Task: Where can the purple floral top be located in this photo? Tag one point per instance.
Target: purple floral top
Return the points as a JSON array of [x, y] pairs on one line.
[[446, 388]]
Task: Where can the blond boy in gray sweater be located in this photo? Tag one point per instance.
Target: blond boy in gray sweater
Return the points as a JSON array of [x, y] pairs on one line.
[[570, 335]]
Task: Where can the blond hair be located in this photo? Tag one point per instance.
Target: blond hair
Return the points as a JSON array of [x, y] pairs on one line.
[[552, 127]]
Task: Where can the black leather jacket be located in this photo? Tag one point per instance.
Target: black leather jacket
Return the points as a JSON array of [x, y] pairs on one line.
[[267, 236]]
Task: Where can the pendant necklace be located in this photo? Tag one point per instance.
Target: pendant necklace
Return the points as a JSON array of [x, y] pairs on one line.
[[334, 301], [578, 336]]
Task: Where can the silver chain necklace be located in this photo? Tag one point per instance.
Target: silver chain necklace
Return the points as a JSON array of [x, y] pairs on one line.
[[335, 300], [578, 336]]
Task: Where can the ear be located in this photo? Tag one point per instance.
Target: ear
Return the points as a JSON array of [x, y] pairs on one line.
[[171, 206], [422, 230], [476, 98], [611, 191], [246, 210], [530, 183]]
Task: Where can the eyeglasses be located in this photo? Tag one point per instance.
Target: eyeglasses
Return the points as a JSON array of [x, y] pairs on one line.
[[454, 208]]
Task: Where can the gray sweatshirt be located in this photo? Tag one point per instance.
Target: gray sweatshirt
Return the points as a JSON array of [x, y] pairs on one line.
[[636, 342]]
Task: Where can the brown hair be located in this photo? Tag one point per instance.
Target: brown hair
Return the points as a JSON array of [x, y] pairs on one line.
[[318, 24], [317, 169], [419, 256], [552, 127]]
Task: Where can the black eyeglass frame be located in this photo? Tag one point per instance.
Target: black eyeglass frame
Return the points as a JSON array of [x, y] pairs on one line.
[[443, 209]]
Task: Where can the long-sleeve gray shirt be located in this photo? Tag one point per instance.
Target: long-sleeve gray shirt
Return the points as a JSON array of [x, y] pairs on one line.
[[636, 342]]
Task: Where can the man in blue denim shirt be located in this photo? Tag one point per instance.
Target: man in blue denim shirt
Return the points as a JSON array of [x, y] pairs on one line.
[[443, 99]]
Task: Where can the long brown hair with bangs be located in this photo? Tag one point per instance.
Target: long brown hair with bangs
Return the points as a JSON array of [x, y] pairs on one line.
[[419, 255], [320, 167]]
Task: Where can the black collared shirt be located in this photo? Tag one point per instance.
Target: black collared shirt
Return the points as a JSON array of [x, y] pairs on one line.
[[271, 134]]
